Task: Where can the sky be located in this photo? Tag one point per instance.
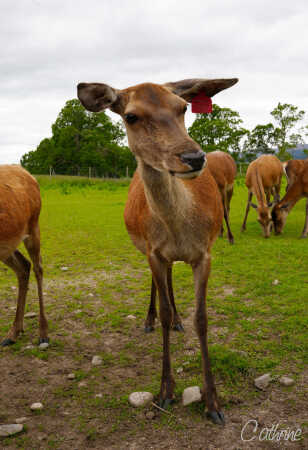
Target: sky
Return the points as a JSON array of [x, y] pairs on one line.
[[48, 46]]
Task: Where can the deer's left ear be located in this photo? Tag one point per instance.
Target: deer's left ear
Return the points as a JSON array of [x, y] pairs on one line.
[[188, 89], [96, 97]]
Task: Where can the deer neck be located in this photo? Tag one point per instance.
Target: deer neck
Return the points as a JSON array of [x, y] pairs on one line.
[[168, 198], [258, 189], [293, 195]]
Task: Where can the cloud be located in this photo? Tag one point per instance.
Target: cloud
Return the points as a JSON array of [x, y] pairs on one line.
[[49, 46]]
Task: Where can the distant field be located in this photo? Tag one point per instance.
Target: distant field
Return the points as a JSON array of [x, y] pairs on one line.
[[255, 327]]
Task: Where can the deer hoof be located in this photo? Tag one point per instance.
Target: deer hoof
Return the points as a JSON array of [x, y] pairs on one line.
[[303, 236], [178, 327], [148, 328], [165, 403], [216, 417], [43, 340], [7, 342]]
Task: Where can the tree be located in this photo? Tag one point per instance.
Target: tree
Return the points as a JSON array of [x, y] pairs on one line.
[[219, 130], [261, 140], [81, 139], [285, 135]]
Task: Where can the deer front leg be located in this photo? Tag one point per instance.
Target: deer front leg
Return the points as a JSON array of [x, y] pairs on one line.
[[247, 211], [152, 314], [201, 274], [305, 229], [159, 269]]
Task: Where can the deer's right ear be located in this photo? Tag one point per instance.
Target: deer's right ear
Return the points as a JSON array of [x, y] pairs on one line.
[[254, 205], [96, 97]]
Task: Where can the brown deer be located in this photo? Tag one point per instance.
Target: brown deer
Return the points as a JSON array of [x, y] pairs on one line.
[[223, 169], [174, 210], [297, 176], [20, 205], [263, 178]]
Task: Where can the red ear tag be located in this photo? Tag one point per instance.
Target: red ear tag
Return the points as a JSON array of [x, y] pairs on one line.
[[201, 104]]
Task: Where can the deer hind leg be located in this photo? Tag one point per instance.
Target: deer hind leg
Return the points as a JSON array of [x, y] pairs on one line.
[[32, 244], [152, 314], [159, 269], [226, 205], [21, 267], [201, 273], [305, 229], [247, 210]]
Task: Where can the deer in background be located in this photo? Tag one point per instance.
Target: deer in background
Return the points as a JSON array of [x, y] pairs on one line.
[[20, 205], [223, 169], [297, 176], [263, 178], [174, 210]]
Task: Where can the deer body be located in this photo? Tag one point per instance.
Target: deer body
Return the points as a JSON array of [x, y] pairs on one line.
[[174, 210], [297, 176], [223, 168], [20, 205], [263, 178]]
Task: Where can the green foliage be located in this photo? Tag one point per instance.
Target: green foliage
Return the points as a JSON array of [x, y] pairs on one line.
[[80, 140], [219, 130], [287, 116], [261, 140]]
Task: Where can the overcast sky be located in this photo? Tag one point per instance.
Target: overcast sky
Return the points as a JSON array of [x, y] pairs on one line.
[[48, 46]]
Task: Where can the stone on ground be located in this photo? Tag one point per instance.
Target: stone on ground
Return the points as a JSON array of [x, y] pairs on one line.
[[191, 394], [286, 381], [43, 345], [97, 360], [263, 381], [21, 419], [36, 406], [9, 430], [30, 315], [71, 376], [140, 398]]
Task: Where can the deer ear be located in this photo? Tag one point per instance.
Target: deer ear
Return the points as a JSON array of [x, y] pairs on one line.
[[254, 205], [96, 97], [188, 89]]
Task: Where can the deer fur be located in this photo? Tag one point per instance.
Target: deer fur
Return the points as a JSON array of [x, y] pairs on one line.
[[263, 178], [20, 205], [297, 188], [223, 169], [174, 210]]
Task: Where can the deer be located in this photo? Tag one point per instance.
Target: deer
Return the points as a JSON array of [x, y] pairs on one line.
[[173, 210], [20, 205], [263, 178], [297, 188], [223, 168]]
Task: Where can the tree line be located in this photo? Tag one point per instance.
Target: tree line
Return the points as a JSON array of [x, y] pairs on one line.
[[81, 140]]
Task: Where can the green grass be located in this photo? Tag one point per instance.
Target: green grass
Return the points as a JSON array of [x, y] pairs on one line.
[[258, 328]]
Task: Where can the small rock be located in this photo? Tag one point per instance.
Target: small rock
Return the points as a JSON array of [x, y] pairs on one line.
[[191, 394], [275, 282], [21, 419], [78, 311], [64, 268], [140, 398], [263, 381], [30, 315], [150, 415], [43, 345], [90, 295], [98, 395], [29, 347], [9, 430], [131, 317], [13, 288], [36, 406], [286, 381], [97, 360], [71, 376], [179, 370], [82, 384]]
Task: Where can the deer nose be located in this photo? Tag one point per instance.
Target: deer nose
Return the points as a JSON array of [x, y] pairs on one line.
[[194, 160]]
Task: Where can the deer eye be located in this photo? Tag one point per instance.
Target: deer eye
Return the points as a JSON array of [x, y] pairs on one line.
[[131, 118], [185, 109]]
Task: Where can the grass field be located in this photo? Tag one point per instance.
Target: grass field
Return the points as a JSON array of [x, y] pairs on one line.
[[255, 327]]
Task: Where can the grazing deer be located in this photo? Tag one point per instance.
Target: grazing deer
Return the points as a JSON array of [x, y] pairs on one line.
[[20, 205], [223, 168], [174, 210], [297, 188], [263, 178]]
